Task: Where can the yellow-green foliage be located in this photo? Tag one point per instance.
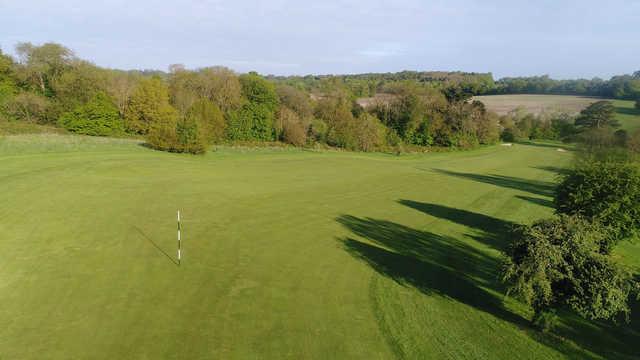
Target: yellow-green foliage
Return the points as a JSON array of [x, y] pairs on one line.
[[148, 104], [209, 118], [170, 133]]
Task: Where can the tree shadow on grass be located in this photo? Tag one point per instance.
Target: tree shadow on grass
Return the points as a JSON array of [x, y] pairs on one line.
[[537, 187], [627, 111], [431, 263], [560, 171], [535, 200], [543, 145], [153, 243], [495, 231], [438, 265]]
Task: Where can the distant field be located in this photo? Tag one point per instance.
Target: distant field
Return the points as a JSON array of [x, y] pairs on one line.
[[628, 116], [503, 104], [288, 254]]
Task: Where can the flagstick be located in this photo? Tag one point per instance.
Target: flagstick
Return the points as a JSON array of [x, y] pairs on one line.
[[179, 241]]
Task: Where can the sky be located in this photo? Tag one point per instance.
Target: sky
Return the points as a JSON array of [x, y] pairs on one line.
[[564, 39]]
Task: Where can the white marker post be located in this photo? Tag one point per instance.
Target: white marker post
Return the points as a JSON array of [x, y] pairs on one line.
[[179, 241]]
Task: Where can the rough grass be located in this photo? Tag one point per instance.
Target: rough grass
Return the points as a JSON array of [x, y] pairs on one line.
[[12, 127], [287, 254]]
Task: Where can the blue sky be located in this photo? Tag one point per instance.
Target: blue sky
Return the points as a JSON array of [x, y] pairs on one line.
[[565, 39]]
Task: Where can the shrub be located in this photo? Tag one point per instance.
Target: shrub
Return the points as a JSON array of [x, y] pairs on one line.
[[290, 128], [28, 107], [169, 133], [370, 133], [162, 134], [191, 136], [508, 135], [318, 130], [633, 141], [545, 321], [607, 191], [557, 263], [98, 117]]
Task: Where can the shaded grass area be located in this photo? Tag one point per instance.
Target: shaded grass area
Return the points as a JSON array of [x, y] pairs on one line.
[[627, 114], [445, 266], [537, 187], [494, 229]]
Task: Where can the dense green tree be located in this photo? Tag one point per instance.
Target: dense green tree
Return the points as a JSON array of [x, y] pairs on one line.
[[251, 122], [415, 114], [259, 91], [77, 84], [98, 117], [191, 136], [148, 103], [557, 263], [598, 115], [457, 93], [255, 120], [638, 103], [209, 119], [605, 191]]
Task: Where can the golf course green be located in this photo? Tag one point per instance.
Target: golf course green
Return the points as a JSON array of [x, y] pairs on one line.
[[287, 253]]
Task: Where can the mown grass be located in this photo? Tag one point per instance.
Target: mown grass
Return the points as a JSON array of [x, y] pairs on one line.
[[287, 254]]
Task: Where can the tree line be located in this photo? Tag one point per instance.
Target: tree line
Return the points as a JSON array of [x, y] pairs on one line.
[[625, 87], [186, 110]]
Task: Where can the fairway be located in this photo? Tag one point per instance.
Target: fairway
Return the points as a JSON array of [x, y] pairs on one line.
[[286, 254]]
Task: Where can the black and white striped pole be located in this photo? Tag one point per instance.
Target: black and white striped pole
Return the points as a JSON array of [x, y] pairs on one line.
[[179, 240]]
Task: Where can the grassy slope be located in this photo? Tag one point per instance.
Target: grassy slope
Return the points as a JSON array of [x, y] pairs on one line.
[[627, 114], [287, 254]]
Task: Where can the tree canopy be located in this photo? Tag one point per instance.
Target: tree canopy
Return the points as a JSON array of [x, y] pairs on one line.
[[598, 115], [557, 263], [605, 191]]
